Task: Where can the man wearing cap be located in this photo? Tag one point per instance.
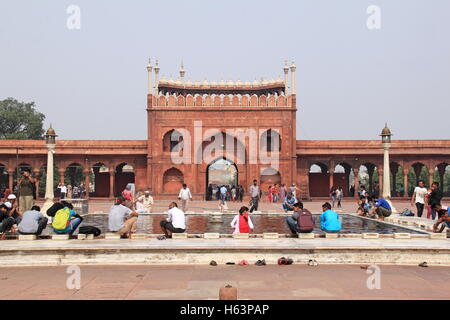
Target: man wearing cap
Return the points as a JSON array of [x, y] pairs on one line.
[[144, 203], [6, 222], [121, 219], [14, 210]]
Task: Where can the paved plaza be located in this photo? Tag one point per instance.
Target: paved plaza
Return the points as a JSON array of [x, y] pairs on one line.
[[203, 282]]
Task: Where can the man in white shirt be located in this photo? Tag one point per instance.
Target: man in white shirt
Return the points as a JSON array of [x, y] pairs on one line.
[[185, 195], [175, 222], [144, 203], [63, 190], [418, 197]]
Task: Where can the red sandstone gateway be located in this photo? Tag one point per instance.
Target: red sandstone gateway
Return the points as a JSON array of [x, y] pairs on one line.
[[268, 107]]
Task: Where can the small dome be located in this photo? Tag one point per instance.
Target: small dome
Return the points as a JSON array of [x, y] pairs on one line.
[[248, 84], [189, 83], [239, 83], [222, 83], [205, 83], [256, 83], [213, 84], [265, 82], [197, 84], [171, 81], [178, 82], [386, 131], [50, 132], [230, 83]]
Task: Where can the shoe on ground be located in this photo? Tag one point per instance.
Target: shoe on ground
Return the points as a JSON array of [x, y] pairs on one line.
[[213, 263]]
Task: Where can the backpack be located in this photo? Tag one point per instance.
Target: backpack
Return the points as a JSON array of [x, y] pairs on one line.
[[305, 221], [407, 213], [90, 230], [54, 208], [61, 219]]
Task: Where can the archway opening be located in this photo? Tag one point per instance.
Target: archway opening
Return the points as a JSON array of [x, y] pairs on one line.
[[319, 180], [124, 175], [4, 179], [100, 180], [221, 172], [173, 180]]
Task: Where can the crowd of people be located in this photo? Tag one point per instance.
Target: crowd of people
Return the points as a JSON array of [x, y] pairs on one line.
[[22, 215], [70, 192]]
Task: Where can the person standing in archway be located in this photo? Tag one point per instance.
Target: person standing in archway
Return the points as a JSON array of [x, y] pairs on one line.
[[184, 195]]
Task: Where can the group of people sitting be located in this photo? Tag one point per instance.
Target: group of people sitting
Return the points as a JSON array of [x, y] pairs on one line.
[[372, 207]]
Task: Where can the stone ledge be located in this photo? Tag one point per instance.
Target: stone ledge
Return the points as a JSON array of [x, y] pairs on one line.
[[306, 235], [438, 236], [211, 235], [27, 237], [331, 235], [138, 236], [270, 235], [179, 236], [400, 235], [372, 235], [85, 237], [240, 235], [60, 237], [112, 236]]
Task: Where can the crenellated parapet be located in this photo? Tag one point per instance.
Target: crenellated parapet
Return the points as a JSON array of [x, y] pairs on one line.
[[220, 100], [182, 93]]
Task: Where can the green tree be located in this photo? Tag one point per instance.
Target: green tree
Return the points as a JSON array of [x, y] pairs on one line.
[[20, 120]]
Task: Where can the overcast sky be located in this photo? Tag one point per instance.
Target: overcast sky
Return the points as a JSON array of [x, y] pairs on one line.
[[91, 83]]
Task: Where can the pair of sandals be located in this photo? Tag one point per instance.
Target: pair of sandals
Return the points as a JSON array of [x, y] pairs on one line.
[[283, 261], [260, 262], [313, 263]]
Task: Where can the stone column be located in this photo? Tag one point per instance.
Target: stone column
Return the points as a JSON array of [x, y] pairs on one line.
[[61, 172], [405, 182], [387, 175], [431, 176], [356, 181], [286, 80], [156, 68], [37, 177], [10, 179], [381, 181], [149, 70], [331, 174], [49, 192], [111, 183], [86, 183], [293, 69]]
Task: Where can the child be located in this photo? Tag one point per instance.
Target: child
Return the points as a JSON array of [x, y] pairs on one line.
[[241, 222]]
